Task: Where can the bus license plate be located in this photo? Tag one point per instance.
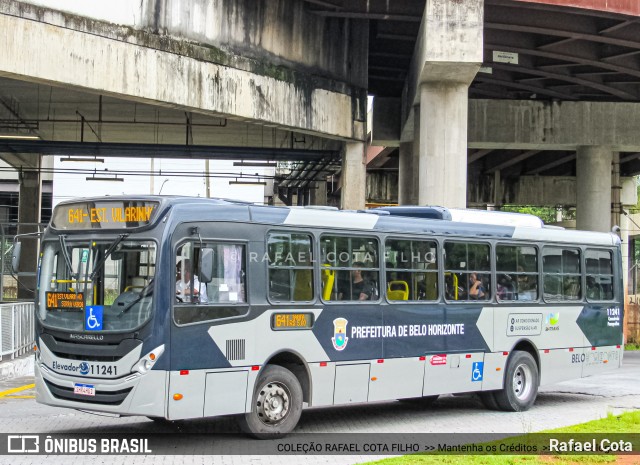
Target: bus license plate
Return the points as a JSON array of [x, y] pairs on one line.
[[84, 389]]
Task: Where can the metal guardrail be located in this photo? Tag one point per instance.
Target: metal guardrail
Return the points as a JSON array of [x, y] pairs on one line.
[[8, 281], [16, 329]]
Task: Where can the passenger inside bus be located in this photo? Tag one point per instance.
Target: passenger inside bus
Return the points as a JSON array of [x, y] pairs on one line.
[[361, 287], [477, 290]]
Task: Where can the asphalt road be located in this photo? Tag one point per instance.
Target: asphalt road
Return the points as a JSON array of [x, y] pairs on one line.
[[558, 405]]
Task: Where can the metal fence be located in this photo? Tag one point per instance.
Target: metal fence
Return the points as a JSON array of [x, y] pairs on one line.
[[16, 329], [9, 281]]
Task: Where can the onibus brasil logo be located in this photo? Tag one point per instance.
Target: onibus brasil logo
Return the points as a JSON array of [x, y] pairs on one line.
[[340, 338]]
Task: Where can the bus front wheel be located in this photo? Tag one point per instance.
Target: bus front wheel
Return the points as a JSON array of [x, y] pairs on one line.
[[277, 404], [520, 383]]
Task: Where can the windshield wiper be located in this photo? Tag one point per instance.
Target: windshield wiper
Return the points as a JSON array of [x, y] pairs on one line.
[[65, 254], [147, 291], [109, 251]]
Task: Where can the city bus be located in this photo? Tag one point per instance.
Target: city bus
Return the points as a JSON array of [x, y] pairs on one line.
[[176, 308]]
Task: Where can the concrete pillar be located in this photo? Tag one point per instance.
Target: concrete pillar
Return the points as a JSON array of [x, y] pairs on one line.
[[593, 188], [354, 170], [443, 144], [29, 206], [616, 189], [405, 173], [319, 194], [451, 50]]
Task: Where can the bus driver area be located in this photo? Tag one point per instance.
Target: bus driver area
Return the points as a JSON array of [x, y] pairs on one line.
[[227, 308]]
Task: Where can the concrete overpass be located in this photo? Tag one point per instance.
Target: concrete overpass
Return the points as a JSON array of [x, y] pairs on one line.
[[519, 96]]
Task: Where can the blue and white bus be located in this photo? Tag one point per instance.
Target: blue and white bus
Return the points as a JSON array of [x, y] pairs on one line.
[[178, 308]]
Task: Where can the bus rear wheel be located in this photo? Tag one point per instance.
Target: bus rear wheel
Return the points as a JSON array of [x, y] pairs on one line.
[[276, 406], [521, 382]]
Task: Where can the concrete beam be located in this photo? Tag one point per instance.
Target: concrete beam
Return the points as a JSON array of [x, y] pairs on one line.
[[161, 70], [528, 125], [354, 172], [537, 190]]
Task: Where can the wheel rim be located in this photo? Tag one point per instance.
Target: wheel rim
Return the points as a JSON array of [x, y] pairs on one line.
[[521, 382], [273, 403]]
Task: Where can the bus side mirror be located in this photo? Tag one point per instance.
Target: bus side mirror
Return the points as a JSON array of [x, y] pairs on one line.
[[206, 265], [15, 256]]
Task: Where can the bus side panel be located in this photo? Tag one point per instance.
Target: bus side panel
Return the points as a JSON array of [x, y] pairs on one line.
[[452, 373], [323, 380], [190, 384], [352, 383], [225, 393], [601, 359], [560, 364], [396, 378], [547, 327], [494, 366]]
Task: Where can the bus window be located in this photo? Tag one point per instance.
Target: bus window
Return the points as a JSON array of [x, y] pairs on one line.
[[290, 267], [223, 297], [599, 267], [354, 260], [468, 265], [411, 269], [517, 273], [561, 274]]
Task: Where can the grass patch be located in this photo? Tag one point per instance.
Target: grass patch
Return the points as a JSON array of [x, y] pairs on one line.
[[632, 346], [628, 422]]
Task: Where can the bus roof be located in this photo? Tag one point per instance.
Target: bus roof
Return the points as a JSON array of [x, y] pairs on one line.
[[442, 221]]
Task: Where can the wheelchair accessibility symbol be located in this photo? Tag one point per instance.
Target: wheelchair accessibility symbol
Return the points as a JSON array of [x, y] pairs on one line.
[[93, 317], [476, 371]]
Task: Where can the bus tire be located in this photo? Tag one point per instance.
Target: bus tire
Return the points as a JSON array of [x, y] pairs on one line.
[[520, 383], [276, 405], [488, 400]]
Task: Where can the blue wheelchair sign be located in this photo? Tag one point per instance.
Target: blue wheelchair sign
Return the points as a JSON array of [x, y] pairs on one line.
[[477, 371], [93, 317]]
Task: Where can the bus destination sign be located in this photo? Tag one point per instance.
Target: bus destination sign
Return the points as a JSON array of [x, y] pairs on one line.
[[282, 321], [105, 214], [71, 301]]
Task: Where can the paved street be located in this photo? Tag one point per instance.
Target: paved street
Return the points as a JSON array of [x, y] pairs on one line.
[[558, 405]]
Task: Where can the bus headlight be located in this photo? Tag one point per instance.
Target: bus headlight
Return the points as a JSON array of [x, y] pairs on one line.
[[146, 363]]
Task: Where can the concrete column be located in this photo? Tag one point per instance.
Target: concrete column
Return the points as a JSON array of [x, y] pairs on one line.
[[616, 189], [29, 206], [593, 188], [319, 194], [354, 172], [450, 49], [443, 144], [405, 173]]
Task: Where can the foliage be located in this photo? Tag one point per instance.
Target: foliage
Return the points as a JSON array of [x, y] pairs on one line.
[[546, 214]]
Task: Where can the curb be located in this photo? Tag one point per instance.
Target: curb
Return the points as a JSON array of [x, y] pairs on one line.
[[16, 368]]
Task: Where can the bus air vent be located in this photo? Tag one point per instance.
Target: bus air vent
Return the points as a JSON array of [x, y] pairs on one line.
[[235, 349]]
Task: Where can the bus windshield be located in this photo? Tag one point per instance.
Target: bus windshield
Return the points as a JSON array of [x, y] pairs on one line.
[[96, 285]]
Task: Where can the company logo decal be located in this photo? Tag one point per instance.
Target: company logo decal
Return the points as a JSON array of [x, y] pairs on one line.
[[438, 359], [340, 338], [552, 322], [84, 368]]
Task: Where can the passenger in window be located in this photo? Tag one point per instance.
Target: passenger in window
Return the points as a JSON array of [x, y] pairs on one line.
[[526, 287], [361, 288], [183, 285], [476, 288], [504, 291]]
